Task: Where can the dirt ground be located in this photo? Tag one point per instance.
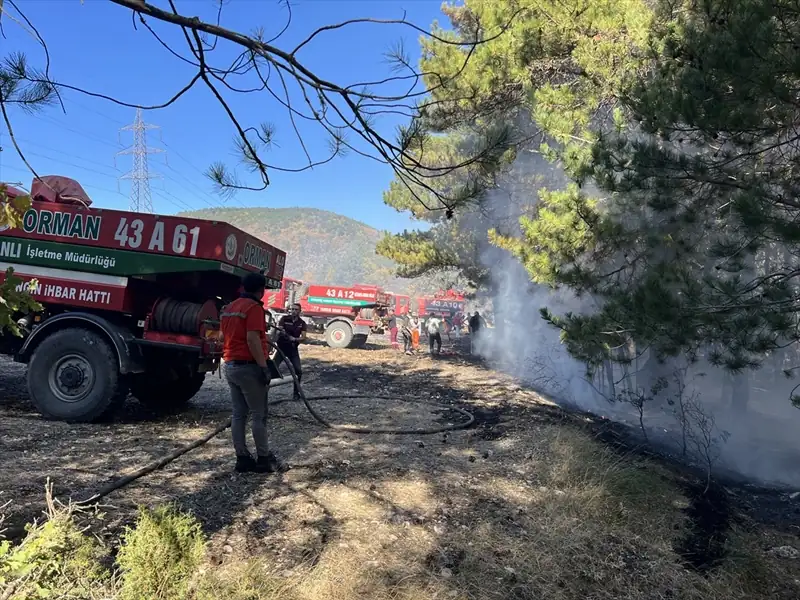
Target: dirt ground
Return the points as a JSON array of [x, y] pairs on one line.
[[521, 505]]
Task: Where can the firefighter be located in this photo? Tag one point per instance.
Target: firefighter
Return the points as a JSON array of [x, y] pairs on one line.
[[458, 323], [405, 330], [245, 353], [292, 331], [415, 325], [392, 326]]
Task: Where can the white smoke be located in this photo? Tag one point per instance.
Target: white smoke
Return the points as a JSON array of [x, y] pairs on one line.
[[759, 443]]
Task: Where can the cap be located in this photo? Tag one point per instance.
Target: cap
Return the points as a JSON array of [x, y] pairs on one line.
[[252, 282]]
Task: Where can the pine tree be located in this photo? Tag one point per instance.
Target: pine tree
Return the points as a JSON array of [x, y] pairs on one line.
[[17, 92], [692, 242], [554, 73]]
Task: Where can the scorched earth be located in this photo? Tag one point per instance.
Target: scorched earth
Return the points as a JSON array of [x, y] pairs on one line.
[[531, 502]]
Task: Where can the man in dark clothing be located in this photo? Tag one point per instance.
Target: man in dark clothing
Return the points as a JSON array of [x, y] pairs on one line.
[[476, 322], [405, 330], [292, 332], [392, 325], [244, 331]]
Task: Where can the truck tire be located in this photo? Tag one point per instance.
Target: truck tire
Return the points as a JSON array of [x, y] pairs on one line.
[[73, 376], [338, 335], [167, 391], [359, 340]]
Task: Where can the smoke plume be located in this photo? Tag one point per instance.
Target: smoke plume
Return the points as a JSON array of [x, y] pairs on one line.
[[742, 426]]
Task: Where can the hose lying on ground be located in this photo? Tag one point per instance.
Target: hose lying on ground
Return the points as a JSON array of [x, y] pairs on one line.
[[168, 458], [361, 429], [156, 464]]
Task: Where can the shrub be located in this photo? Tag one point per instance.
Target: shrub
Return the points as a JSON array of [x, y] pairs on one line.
[[160, 554], [56, 559]]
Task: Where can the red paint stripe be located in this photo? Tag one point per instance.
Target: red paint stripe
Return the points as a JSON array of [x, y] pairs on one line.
[[86, 294]]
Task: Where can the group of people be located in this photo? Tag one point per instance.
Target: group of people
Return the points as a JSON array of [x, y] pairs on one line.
[[246, 352], [410, 327]]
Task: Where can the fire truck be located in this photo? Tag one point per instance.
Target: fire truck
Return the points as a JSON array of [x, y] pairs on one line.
[[345, 314], [130, 302], [444, 303]]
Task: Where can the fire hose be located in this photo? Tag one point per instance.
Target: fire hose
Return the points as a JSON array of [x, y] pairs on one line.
[[177, 453]]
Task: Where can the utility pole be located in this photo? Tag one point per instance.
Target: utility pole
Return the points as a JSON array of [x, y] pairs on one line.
[[140, 199]]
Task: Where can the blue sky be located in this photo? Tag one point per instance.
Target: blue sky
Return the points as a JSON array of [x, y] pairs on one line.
[[101, 51]]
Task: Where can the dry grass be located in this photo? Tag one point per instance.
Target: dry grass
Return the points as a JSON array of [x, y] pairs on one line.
[[530, 508], [573, 521]]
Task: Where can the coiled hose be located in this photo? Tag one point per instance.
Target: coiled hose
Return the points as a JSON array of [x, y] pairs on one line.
[[168, 458], [173, 316]]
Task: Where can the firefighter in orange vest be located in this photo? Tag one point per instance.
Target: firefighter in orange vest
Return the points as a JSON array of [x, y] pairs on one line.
[[245, 354]]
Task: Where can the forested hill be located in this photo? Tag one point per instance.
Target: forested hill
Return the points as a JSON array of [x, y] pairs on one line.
[[320, 246]]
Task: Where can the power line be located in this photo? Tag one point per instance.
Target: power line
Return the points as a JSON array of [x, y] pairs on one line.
[[95, 111], [71, 164], [208, 198], [176, 203], [201, 194], [141, 199], [94, 138], [193, 166], [73, 156]]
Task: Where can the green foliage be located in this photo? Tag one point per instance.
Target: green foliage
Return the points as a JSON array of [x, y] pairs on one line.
[[55, 560], [15, 298], [693, 248], [12, 299], [23, 86], [159, 555], [440, 250], [160, 558], [557, 233], [682, 117], [555, 73]]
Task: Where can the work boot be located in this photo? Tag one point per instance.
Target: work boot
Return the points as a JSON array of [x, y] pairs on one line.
[[270, 464], [245, 464]]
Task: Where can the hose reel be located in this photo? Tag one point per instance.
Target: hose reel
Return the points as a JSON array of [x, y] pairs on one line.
[[174, 316]]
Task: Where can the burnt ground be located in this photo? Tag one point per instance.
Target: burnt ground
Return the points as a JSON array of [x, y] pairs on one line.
[[414, 477]]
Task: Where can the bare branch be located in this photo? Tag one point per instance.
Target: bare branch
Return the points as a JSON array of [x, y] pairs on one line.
[[342, 111], [41, 41], [250, 151], [14, 142], [85, 92]]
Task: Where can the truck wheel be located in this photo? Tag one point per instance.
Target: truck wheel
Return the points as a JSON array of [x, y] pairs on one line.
[[338, 335], [74, 376], [359, 341], [166, 391]]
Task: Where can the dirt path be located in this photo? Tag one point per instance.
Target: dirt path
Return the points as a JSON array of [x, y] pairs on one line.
[[500, 507]]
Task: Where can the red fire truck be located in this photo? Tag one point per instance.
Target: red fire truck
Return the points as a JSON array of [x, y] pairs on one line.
[[444, 303], [346, 314], [130, 302]]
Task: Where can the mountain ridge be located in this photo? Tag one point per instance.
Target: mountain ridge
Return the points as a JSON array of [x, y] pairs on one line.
[[321, 246]]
